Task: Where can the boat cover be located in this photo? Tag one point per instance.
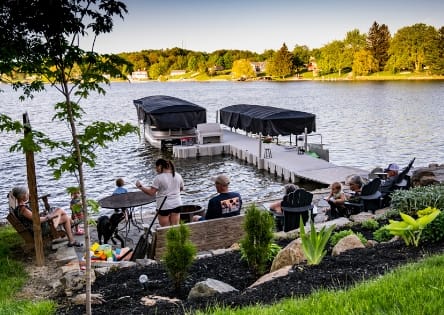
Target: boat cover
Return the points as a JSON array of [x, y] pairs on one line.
[[267, 120], [167, 112]]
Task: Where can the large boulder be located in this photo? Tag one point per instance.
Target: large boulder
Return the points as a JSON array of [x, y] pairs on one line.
[[424, 177], [292, 254], [349, 242]]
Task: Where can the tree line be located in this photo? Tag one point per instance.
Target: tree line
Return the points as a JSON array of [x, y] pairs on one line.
[[418, 48]]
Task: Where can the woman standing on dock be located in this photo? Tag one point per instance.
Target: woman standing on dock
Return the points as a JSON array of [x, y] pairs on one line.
[[167, 183]]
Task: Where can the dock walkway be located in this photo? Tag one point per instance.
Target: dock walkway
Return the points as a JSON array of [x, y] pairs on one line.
[[284, 161]]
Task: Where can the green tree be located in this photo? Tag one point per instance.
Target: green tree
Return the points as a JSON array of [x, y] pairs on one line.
[[435, 57], [354, 41], [412, 46], [43, 38], [333, 58], [378, 43], [301, 57], [242, 69], [281, 65], [364, 63]]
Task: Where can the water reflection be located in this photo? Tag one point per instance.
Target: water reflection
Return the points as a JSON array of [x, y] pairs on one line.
[[364, 124]]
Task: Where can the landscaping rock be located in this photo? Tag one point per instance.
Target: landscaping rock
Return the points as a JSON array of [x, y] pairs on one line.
[[347, 243], [292, 254], [209, 287]]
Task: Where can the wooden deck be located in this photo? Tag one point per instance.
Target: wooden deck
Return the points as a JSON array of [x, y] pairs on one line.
[[284, 162]]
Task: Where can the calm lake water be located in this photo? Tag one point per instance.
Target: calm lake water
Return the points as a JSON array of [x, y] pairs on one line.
[[364, 124]]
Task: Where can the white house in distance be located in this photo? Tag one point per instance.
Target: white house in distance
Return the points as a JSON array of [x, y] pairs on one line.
[[177, 72], [139, 75]]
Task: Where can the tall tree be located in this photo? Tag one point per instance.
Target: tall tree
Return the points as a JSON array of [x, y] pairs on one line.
[[44, 38], [354, 41], [281, 65], [364, 63], [378, 43], [412, 46], [301, 57], [435, 57], [333, 58], [242, 69]]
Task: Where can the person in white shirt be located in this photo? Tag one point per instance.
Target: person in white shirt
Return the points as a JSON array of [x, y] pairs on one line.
[[167, 183]]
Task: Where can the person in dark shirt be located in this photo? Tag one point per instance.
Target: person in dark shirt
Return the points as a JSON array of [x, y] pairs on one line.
[[226, 204]]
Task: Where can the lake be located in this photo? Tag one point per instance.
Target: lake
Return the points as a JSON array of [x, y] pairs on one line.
[[363, 124]]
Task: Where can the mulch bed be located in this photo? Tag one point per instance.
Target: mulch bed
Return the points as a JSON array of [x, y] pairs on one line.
[[123, 292]]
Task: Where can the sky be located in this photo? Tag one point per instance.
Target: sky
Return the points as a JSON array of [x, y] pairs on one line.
[[257, 25]]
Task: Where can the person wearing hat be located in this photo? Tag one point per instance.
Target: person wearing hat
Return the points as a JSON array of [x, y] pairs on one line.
[[225, 204], [388, 185]]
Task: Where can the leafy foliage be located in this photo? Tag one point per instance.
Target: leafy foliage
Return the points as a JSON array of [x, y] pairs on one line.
[[180, 253], [281, 64], [434, 231], [370, 224], [242, 69], [313, 243], [382, 235], [410, 229], [378, 43], [411, 46], [417, 198], [257, 245], [336, 237]]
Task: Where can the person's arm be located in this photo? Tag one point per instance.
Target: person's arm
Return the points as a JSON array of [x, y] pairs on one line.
[[147, 190], [340, 200], [28, 214], [210, 214]]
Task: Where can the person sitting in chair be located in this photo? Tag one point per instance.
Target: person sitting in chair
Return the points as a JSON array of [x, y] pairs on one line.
[[388, 185], [336, 200], [355, 183], [277, 205], [226, 204], [58, 216]]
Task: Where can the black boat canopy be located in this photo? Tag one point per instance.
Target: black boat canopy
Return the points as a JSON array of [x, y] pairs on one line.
[[167, 112], [267, 120]]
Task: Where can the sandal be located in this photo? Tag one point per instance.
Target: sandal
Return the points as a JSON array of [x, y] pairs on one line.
[[75, 244]]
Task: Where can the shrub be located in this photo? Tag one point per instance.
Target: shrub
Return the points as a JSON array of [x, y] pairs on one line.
[[412, 200], [313, 243], [382, 235], [257, 245], [410, 229], [337, 236], [180, 253], [434, 232], [370, 224]]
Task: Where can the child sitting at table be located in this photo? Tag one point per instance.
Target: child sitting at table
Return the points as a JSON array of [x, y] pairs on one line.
[[120, 189]]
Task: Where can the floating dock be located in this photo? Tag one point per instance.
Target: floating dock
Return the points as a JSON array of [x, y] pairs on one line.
[[280, 160]]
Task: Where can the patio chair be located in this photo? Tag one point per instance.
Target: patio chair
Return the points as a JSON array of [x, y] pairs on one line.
[[400, 182], [295, 205], [369, 200]]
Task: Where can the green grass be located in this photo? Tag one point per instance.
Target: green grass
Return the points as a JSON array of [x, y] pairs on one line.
[[413, 289], [12, 278]]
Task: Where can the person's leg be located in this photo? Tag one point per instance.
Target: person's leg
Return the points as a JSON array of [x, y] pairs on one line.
[[65, 220], [164, 220], [174, 218]]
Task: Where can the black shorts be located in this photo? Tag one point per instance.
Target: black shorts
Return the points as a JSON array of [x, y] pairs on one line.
[[169, 211]]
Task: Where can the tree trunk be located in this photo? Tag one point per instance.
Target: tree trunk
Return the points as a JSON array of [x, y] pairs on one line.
[[32, 186]]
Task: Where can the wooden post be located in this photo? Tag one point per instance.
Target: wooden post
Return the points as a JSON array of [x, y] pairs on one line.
[[32, 186]]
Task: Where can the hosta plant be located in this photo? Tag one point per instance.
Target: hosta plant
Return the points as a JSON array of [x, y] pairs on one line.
[[410, 229], [313, 242]]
